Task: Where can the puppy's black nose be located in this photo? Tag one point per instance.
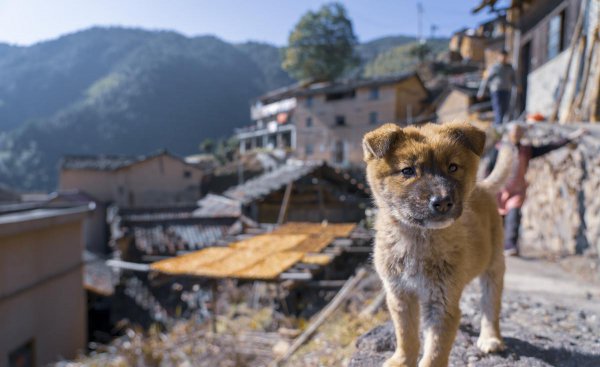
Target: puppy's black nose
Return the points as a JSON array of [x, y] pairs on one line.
[[440, 204]]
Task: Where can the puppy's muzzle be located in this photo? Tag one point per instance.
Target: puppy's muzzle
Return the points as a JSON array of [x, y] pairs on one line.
[[440, 205]]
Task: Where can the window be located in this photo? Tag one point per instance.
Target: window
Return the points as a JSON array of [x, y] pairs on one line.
[[187, 174], [340, 120], [340, 95], [309, 101], [374, 93], [556, 35], [373, 118], [309, 150], [338, 152], [23, 356], [309, 122]]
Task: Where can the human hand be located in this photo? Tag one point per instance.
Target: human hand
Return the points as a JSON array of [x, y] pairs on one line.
[[578, 133]]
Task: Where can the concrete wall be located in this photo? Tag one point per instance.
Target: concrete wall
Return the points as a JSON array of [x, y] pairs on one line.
[[543, 83], [455, 107], [41, 288], [158, 181], [391, 106], [99, 184]]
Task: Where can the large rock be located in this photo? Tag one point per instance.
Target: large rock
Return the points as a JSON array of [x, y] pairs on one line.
[[536, 334]]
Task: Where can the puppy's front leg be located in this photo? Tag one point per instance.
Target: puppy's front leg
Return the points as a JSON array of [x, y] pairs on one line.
[[441, 324], [404, 309]]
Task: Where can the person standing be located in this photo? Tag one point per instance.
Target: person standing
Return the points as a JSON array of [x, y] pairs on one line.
[[500, 78], [512, 196]]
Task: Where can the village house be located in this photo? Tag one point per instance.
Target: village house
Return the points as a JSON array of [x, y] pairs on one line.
[[479, 44], [307, 191], [326, 121], [138, 181], [554, 46], [42, 298], [455, 104]]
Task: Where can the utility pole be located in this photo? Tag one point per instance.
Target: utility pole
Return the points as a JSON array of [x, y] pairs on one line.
[[420, 23]]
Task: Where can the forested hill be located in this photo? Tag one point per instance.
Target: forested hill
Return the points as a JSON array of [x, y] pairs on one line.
[[131, 91]]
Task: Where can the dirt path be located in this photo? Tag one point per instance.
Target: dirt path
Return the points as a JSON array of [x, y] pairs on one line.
[[549, 318]]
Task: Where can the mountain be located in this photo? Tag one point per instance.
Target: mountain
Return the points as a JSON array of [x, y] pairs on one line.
[[129, 91], [121, 91], [396, 59], [268, 59]]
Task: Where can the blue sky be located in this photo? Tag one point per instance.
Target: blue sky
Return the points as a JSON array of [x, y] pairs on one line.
[[28, 21]]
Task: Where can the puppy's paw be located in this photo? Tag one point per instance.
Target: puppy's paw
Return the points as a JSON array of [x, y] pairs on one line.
[[393, 363], [490, 344], [396, 361]]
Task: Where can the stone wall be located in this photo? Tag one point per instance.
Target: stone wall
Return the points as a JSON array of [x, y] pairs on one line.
[[562, 213]]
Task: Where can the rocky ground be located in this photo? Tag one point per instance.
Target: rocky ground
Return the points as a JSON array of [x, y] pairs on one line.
[[549, 318]]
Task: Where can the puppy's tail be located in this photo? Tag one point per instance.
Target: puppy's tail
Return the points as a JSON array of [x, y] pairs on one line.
[[507, 158]]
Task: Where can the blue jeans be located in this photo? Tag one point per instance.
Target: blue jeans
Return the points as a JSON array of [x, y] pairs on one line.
[[500, 105], [512, 224]]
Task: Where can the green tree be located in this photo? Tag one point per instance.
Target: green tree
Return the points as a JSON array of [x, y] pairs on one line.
[[321, 46], [421, 51], [207, 146]]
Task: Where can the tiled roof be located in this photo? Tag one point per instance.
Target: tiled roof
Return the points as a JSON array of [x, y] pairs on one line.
[[169, 239], [333, 87], [271, 181], [111, 162], [98, 162]]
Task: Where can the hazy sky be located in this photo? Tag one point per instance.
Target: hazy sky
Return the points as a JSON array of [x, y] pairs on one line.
[[28, 21]]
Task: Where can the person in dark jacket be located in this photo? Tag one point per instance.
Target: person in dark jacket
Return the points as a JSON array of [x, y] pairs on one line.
[[512, 196], [500, 78]]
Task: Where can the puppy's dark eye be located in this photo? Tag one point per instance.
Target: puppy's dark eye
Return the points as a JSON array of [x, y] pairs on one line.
[[408, 171], [452, 167]]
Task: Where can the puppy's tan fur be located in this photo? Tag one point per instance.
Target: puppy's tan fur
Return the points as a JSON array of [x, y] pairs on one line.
[[425, 262]]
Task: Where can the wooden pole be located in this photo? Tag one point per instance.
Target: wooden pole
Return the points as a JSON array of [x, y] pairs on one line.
[[214, 305], [577, 105], [320, 196], [285, 203], [563, 83], [321, 317]]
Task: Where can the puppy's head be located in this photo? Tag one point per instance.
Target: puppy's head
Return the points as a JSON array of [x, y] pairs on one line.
[[423, 175]]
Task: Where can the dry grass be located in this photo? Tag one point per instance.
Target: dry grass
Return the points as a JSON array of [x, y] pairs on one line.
[[246, 338]]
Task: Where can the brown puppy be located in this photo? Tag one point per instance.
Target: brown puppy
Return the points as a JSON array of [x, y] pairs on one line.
[[437, 229]]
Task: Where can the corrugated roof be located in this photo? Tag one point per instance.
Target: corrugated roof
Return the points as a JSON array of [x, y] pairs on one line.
[[271, 181], [217, 206]]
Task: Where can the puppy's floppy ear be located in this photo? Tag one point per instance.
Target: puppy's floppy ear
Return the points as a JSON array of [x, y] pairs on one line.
[[467, 135], [379, 141]]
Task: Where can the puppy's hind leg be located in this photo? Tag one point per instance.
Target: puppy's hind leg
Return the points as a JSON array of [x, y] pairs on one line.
[[404, 310], [492, 282]]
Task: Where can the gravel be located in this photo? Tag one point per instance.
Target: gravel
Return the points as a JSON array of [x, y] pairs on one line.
[[536, 330]]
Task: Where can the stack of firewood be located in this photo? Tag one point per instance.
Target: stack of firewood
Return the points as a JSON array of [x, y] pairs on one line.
[[561, 215]]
